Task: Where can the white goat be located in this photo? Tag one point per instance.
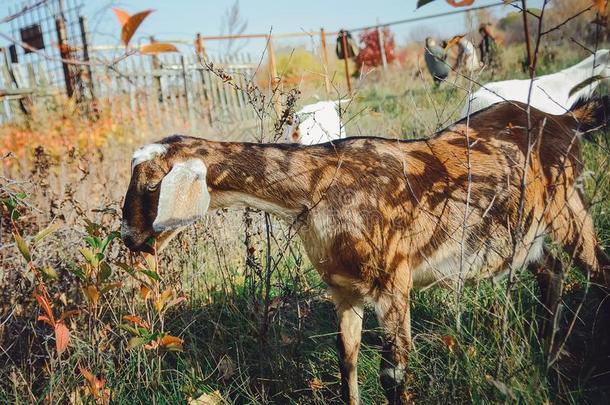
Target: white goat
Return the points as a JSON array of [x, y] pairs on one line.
[[550, 93], [316, 123]]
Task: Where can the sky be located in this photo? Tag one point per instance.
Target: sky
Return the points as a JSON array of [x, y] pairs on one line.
[[181, 19]]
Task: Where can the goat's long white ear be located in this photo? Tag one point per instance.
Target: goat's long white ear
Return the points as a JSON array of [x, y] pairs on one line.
[[342, 101], [183, 197]]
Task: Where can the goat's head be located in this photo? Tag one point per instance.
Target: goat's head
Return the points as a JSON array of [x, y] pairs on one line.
[[166, 192], [292, 132]]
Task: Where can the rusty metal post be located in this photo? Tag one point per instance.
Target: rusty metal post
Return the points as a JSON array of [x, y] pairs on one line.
[[199, 45], [324, 56], [64, 51], [345, 61], [88, 76], [526, 32], [275, 80]]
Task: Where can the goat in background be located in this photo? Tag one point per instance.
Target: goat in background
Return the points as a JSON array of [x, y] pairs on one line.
[[379, 217], [316, 123], [551, 93]]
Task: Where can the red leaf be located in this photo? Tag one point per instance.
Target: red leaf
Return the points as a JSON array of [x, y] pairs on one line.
[[46, 320], [132, 24], [157, 47], [62, 336], [121, 14], [460, 3], [46, 306], [137, 320]]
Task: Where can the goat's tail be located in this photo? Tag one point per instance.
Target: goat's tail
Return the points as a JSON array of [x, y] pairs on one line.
[[591, 115]]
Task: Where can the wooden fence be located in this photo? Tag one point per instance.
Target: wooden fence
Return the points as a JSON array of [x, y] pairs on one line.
[[171, 87], [177, 87]]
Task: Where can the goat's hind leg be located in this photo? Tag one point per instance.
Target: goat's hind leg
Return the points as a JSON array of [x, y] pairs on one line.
[[350, 312], [394, 316], [549, 275], [573, 229]]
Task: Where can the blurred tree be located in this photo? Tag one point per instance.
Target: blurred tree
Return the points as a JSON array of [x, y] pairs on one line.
[[370, 54]]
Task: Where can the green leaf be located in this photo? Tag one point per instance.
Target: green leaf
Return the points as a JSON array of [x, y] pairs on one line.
[[113, 235], [136, 342], [23, 247], [91, 227], [45, 232], [92, 241], [10, 205], [78, 272], [49, 273], [127, 268], [152, 275], [105, 271], [129, 328], [89, 256]]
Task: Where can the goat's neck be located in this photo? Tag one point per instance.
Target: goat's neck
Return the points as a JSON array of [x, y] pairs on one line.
[[280, 179]]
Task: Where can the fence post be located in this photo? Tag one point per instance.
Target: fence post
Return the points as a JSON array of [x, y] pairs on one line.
[[186, 88], [199, 45], [275, 80], [381, 40], [345, 60], [156, 65], [64, 51], [324, 55], [82, 22]]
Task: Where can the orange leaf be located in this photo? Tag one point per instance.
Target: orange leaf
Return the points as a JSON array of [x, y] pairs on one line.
[[46, 306], [92, 294], [460, 3], [137, 320], [316, 384], [449, 341], [144, 292], [46, 319], [96, 386], [158, 47], [88, 375], [170, 342], [132, 24], [163, 299], [62, 336], [121, 14]]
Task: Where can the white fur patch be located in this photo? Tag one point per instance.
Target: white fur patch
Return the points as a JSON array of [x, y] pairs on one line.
[[146, 153]]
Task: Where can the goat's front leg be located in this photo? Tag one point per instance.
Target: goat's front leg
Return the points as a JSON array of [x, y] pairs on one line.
[[349, 314], [394, 316]]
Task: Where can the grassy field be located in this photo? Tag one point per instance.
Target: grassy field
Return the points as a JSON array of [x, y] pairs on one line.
[[229, 314]]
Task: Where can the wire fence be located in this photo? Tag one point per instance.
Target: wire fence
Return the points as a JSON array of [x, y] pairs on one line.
[[52, 56]]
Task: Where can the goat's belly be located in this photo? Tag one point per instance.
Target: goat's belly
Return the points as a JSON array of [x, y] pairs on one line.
[[450, 265]]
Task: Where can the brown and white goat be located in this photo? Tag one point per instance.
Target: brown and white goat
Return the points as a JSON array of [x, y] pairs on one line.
[[379, 217]]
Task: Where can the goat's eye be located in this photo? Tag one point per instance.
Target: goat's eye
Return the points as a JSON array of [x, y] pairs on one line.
[[152, 187]]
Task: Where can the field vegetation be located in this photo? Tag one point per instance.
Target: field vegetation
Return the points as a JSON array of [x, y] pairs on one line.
[[232, 311]]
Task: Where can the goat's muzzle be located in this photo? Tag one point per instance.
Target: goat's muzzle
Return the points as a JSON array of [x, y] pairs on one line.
[[133, 242]]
